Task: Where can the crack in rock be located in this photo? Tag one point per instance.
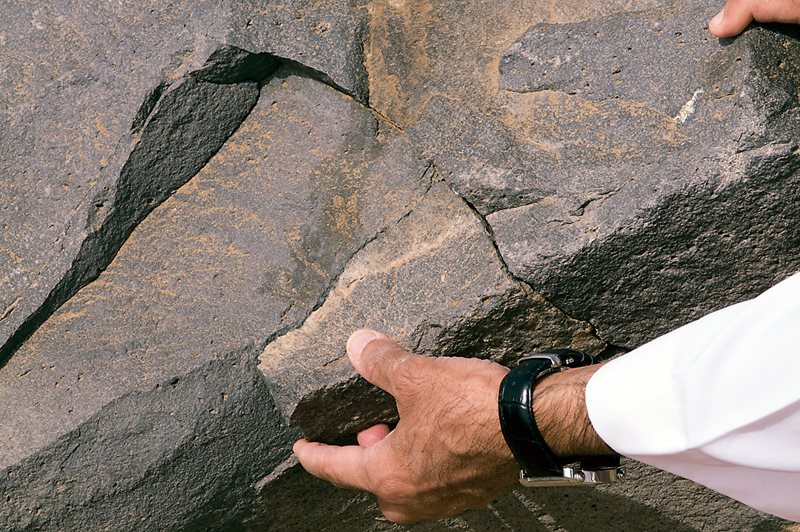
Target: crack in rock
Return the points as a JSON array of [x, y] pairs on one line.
[[245, 248], [177, 130], [70, 137], [609, 349], [432, 281], [667, 221]]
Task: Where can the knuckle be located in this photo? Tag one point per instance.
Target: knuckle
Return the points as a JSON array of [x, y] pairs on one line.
[[410, 372]]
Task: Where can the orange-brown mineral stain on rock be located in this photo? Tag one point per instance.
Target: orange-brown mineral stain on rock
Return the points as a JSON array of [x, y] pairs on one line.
[[612, 129], [345, 211], [390, 76], [419, 48]]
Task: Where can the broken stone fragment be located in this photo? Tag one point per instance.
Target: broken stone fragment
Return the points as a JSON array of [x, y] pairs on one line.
[[245, 250], [673, 185], [435, 283]]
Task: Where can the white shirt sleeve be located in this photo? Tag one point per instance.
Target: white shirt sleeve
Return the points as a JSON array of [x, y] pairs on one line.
[[716, 401]]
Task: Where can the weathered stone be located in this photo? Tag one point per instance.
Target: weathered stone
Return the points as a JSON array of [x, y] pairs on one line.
[[435, 283], [479, 156], [418, 49], [245, 250], [324, 35], [589, 60], [164, 457], [434, 70], [123, 111], [138, 404], [655, 502], [655, 219]]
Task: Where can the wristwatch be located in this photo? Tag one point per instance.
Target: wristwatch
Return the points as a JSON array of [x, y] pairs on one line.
[[539, 465]]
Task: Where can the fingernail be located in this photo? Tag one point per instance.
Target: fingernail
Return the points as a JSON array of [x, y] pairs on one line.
[[360, 338], [717, 19]]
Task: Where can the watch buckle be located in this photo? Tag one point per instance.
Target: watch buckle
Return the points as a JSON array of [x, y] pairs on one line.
[[575, 476], [561, 358]]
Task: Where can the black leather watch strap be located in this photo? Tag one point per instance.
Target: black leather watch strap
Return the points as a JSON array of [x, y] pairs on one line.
[[517, 421], [517, 418]]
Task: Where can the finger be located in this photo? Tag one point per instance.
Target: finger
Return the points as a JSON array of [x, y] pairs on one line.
[[372, 435], [732, 20], [376, 357], [737, 14], [343, 466]]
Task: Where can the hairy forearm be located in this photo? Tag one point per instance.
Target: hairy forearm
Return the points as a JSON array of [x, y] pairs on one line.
[[559, 405]]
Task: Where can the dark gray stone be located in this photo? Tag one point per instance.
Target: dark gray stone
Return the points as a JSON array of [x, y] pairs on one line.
[[165, 457], [436, 284], [632, 56], [656, 501], [654, 219], [327, 36], [244, 251], [479, 156], [106, 109], [434, 70], [417, 50]]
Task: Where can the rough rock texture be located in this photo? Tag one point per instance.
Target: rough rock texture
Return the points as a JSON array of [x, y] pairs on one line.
[[121, 113], [470, 306], [664, 177], [627, 198], [150, 459], [245, 250], [659, 505], [201, 200]]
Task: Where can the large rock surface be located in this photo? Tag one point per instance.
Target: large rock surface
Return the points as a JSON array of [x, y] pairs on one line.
[[629, 164], [435, 283], [669, 155], [202, 200], [242, 252], [107, 108]]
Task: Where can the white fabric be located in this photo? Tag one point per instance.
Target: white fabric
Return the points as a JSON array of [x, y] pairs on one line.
[[716, 401]]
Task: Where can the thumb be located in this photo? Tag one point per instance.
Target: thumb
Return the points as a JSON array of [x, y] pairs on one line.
[[377, 357]]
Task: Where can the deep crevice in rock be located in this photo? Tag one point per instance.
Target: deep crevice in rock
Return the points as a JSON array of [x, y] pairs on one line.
[[176, 131]]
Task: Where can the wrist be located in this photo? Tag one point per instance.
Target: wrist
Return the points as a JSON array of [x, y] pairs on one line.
[[559, 406]]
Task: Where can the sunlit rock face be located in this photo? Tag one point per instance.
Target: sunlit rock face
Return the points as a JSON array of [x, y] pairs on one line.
[[201, 200]]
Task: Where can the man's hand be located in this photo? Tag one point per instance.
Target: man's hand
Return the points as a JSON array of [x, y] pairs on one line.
[[446, 454], [737, 14]]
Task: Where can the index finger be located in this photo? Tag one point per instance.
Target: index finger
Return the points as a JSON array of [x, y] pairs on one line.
[[376, 357], [342, 466]]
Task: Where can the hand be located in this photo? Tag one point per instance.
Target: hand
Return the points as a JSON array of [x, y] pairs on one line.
[[737, 14], [446, 454]]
